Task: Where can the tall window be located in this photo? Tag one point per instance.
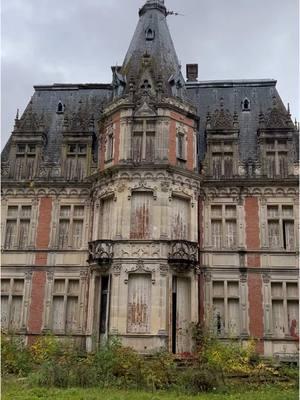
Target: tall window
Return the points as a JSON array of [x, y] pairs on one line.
[[285, 309], [281, 230], [106, 227], [222, 161], [226, 308], [181, 146], [65, 305], [180, 219], [12, 292], [276, 158], [139, 303], [25, 161], [76, 161], [17, 231], [109, 151], [141, 215], [223, 226], [143, 141], [70, 229]]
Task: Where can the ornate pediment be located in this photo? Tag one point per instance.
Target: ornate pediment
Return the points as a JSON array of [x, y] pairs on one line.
[[222, 119], [29, 122], [276, 118]]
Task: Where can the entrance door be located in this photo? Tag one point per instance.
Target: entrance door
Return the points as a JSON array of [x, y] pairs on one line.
[[181, 315], [104, 308]]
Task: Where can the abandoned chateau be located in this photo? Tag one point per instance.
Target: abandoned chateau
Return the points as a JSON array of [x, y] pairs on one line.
[[136, 207]]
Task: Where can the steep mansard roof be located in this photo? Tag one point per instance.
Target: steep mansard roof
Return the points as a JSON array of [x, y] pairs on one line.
[[87, 100], [263, 98]]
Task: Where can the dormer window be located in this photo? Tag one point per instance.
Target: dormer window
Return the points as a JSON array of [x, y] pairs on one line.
[[25, 161], [60, 108], [150, 34], [76, 161], [246, 105]]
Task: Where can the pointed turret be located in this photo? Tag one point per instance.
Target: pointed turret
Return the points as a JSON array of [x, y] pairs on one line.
[[151, 58]]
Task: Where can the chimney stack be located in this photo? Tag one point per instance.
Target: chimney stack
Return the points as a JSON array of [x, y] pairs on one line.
[[192, 72]]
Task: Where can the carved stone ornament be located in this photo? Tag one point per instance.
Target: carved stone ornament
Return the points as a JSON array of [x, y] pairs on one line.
[[183, 254], [101, 252], [117, 269], [140, 268]]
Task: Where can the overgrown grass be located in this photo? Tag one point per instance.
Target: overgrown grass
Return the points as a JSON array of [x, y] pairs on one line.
[[214, 367], [16, 389]]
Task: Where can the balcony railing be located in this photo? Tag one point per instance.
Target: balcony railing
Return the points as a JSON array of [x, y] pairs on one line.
[[183, 252], [101, 252]]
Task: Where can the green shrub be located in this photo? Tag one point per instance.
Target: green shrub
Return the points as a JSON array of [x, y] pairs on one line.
[[15, 356], [197, 380]]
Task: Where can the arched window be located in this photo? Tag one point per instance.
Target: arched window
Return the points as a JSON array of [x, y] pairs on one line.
[[60, 107], [149, 34], [246, 105]]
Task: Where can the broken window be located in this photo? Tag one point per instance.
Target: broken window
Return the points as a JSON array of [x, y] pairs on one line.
[[65, 306], [139, 303], [226, 308], [12, 294], [141, 215], [281, 229], [70, 227], [222, 164], [17, 232], [223, 226]]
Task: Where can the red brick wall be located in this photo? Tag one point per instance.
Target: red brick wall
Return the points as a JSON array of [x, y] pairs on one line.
[[36, 309], [255, 296]]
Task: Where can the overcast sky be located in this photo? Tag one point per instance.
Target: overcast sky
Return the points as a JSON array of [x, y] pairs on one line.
[[77, 41]]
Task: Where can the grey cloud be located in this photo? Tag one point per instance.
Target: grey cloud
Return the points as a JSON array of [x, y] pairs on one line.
[[49, 41]]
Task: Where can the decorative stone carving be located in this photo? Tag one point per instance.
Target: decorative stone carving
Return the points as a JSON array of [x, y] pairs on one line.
[[101, 251], [140, 268]]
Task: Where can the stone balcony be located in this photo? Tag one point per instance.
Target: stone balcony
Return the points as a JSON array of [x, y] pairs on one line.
[[179, 253]]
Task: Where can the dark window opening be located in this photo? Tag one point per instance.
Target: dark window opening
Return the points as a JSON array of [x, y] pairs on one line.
[[246, 105], [60, 107], [103, 305], [149, 34], [174, 314], [146, 85]]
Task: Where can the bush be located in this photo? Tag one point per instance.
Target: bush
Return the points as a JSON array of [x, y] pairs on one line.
[[15, 356], [196, 380]]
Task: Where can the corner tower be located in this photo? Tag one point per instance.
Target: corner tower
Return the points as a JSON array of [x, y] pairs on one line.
[[143, 252]]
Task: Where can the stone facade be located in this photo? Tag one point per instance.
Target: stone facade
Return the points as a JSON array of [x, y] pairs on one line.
[[136, 208]]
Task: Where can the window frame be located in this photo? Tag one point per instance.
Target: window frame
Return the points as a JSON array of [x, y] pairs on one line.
[[276, 152], [144, 132], [281, 219], [71, 218], [226, 297], [18, 218], [223, 152], [10, 294], [224, 218]]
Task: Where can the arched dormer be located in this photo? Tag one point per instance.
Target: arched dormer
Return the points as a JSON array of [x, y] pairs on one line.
[[246, 104]]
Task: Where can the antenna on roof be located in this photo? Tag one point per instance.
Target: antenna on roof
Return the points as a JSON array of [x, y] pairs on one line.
[[169, 12]]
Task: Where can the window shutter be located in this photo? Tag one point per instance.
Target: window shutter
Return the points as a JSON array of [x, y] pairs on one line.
[[137, 147], [106, 218], [289, 235], [63, 234], [216, 230], [271, 169], [77, 233], [230, 234], [180, 219], [150, 139], [274, 235], [10, 234]]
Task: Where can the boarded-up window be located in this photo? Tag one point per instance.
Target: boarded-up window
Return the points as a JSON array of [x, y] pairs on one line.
[[106, 218], [12, 292], [217, 165], [139, 303], [216, 234], [137, 147], [65, 305], [141, 215], [180, 219], [283, 164], [25, 163], [274, 234], [228, 165], [271, 166], [10, 234], [76, 161], [226, 308], [288, 235], [278, 318], [63, 233]]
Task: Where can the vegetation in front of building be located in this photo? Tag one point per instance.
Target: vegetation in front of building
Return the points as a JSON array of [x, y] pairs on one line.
[[214, 367]]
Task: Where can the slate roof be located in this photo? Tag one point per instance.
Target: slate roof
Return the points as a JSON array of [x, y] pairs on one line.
[[87, 99], [262, 95]]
